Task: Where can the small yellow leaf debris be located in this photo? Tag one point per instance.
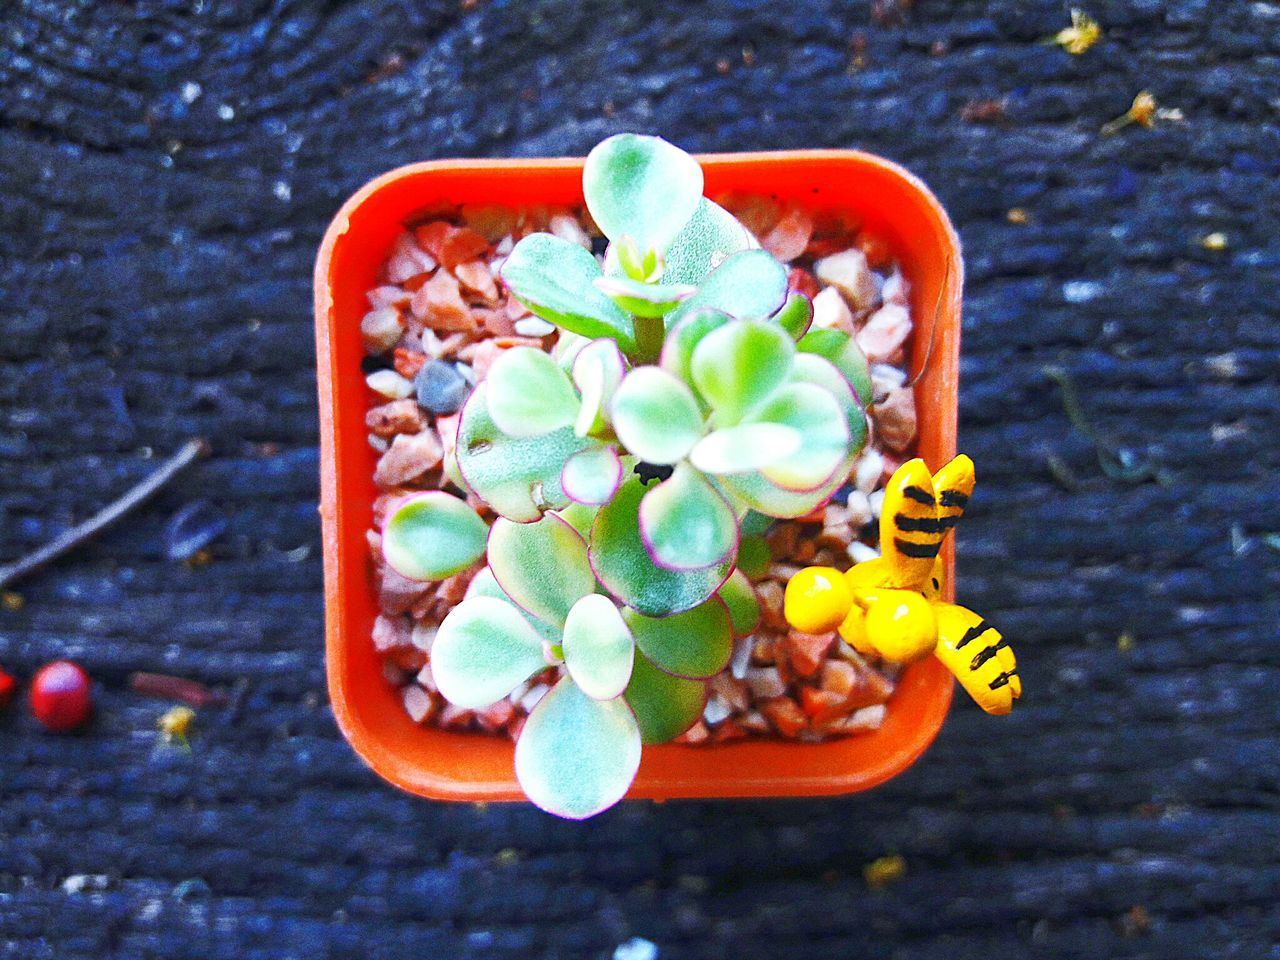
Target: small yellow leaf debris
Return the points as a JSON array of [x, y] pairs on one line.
[[881, 872], [1214, 241], [507, 857], [1083, 33], [1142, 112], [1018, 216], [12, 601], [176, 723], [1125, 642]]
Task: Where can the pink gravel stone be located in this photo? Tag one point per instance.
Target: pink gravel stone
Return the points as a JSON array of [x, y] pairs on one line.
[[848, 272], [885, 333], [410, 456]]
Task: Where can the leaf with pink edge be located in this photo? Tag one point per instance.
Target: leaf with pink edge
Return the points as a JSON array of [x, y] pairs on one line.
[[542, 566], [686, 524], [482, 651], [430, 536], [598, 647]]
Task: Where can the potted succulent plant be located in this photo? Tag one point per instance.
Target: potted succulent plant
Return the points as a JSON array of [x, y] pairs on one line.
[[684, 400]]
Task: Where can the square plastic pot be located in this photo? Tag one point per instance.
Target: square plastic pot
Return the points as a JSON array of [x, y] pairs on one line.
[[885, 199]]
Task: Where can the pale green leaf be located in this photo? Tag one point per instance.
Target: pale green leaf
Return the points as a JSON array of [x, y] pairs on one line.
[[577, 756], [750, 285], [554, 278], [816, 416], [754, 491], [541, 566], [485, 584], [641, 187], [622, 562], [696, 643], [529, 394], [656, 416], [430, 536], [686, 524], [592, 476], [847, 357], [519, 477], [598, 647], [644, 299], [580, 517], [482, 651], [665, 706], [748, 446], [598, 368], [795, 316], [821, 372], [710, 237], [677, 349], [737, 366], [740, 598]]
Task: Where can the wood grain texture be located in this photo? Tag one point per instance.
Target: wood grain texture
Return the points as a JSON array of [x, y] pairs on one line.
[[166, 171]]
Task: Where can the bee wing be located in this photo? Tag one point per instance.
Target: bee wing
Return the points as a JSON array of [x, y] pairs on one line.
[[979, 656], [953, 485], [910, 531]]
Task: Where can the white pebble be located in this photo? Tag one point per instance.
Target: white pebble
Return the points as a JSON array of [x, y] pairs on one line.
[[389, 296], [876, 500], [423, 636], [859, 552], [389, 384], [637, 948], [380, 329], [715, 711], [530, 699], [869, 471], [505, 246], [895, 289], [869, 718], [379, 444], [858, 509], [848, 271], [567, 228], [741, 659], [886, 377], [830, 312], [534, 327], [426, 679]]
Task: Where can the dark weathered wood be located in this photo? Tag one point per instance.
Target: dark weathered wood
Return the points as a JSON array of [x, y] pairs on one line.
[[154, 285]]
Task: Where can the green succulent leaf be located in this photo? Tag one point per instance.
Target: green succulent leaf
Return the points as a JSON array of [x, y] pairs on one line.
[[598, 647], [644, 299], [811, 368], [641, 187], [577, 756], [484, 648], [485, 584], [656, 416], [750, 285], [737, 366], [529, 394], [843, 351], [542, 566], [753, 555], [795, 316], [591, 476], [598, 368], [567, 347], [710, 237], [754, 491], [580, 517], [696, 643], [686, 524], [813, 413], [665, 706], [748, 446], [681, 340], [430, 536], [623, 564], [519, 477], [554, 278], [744, 605]]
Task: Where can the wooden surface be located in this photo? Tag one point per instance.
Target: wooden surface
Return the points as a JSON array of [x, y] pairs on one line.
[[166, 170]]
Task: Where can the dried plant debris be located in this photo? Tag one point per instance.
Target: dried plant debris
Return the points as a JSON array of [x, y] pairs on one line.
[[440, 320]]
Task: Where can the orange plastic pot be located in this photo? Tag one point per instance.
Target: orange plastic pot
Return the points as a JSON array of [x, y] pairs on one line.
[[886, 200]]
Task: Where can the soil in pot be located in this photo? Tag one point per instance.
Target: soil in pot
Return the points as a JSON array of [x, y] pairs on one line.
[[441, 317]]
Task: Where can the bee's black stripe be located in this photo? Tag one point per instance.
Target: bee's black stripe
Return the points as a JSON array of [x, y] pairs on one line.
[[974, 632], [953, 498], [919, 495], [986, 653], [1003, 679], [919, 524], [917, 551]]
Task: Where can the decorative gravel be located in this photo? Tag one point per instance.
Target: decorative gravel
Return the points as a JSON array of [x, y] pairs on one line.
[[436, 323]]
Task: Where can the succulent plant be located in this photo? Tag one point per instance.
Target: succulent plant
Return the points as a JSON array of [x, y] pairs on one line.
[[685, 402], [628, 679]]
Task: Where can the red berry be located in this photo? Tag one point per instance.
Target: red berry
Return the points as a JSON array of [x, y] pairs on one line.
[[7, 685], [60, 696]]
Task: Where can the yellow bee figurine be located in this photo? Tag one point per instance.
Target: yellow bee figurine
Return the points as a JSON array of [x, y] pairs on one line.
[[891, 606]]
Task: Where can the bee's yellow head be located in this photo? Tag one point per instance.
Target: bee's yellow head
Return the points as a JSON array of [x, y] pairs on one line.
[[817, 600]]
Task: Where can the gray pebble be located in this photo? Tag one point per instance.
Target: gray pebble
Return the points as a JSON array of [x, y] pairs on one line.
[[441, 388]]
